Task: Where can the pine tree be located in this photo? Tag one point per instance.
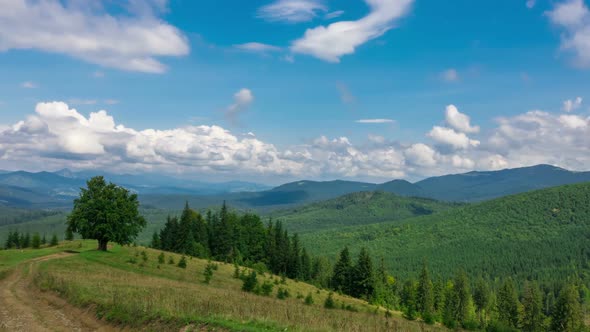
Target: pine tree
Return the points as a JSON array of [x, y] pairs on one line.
[[507, 303], [341, 277], [155, 241], [408, 299], [425, 299], [567, 314], [533, 317], [305, 265], [54, 241], [250, 282], [36, 241], [43, 240], [182, 262], [362, 276]]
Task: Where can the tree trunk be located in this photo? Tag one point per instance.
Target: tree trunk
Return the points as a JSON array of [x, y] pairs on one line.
[[102, 244]]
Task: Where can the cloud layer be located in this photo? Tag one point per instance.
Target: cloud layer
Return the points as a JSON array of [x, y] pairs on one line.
[[57, 135], [85, 30]]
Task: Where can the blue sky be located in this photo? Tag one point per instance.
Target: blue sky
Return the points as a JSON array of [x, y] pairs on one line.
[[293, 95]]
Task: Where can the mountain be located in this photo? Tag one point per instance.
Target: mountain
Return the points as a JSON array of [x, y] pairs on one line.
[[479, 186], [357, 209], [542, 234]]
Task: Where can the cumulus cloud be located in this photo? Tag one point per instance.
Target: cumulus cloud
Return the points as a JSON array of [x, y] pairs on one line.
[[448, 137], [571, 105], [331, 42], [291, 11], [85, 30], [57, 135], [459, 121], [573, 17]]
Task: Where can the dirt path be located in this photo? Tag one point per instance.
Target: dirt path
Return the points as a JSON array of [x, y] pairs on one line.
[[25, 308]]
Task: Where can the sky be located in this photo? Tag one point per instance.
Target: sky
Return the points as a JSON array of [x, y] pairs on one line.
[[278, 90]]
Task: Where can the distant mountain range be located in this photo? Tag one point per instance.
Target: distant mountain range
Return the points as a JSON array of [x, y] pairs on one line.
[[46, 189]]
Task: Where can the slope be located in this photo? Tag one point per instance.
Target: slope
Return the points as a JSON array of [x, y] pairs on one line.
[[357, 209], [129, 288], [542, 234]]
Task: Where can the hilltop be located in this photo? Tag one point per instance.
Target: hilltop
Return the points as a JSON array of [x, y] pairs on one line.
[[542, 234], [358, 209]]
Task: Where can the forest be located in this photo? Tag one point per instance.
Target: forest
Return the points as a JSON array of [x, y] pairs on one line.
[[493, 303]]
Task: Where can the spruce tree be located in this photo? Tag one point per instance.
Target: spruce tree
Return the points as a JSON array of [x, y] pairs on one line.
[[43, 240], [69, 234], [408, 299], [341, 276], [507, 303], [567, 314], [425, 298], [533, 317], [54, 241], [155, 240], [36, 241], [362, 276]]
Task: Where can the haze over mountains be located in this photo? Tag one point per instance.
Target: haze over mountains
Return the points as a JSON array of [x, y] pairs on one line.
[[57, 189]]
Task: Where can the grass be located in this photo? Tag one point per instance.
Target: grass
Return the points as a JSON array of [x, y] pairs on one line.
[[9, 259], [124, 289]]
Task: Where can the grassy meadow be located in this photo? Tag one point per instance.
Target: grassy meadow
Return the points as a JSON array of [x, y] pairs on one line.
[[127, 289]]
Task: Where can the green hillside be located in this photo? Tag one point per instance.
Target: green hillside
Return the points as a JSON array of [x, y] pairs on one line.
[[543, 234], [130, 288], [357, 209]]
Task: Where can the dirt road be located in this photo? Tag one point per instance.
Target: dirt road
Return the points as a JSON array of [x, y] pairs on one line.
[[25, 308]]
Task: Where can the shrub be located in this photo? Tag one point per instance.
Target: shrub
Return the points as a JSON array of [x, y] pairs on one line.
[[309, 299], [282, 293], [144, 256], [54, 241], [260, 268], [266, 288], [171, 260], [182, 262], [250, 282], [161, 258], [236, 271], [330, 303], [208, 273]]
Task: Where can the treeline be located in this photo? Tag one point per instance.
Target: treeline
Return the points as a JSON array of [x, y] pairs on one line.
[[16, 240], [462, 303], [457, 303], [10, 216], [242, 239]]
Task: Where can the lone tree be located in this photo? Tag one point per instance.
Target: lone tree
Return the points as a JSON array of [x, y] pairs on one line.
[[106, 212]]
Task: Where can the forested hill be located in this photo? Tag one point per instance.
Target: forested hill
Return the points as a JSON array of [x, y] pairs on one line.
[[542, 234], [357, 209]]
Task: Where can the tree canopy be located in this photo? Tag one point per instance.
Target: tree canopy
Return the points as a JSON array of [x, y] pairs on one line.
[[106, 212]]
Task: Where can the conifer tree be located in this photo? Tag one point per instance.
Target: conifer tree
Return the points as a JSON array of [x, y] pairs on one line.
[[69, 236], [567, 314], [43, 240], [36, 241], [341, 277], [425, 298], [481, 299], [54, 241], [362, 276], [507, 303], [533, 317]]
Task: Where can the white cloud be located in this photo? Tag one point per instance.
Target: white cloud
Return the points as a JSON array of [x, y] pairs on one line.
[[420, 155], [98, 74], [374, 121], [291, 11], [450, 138], [459, 121], [331, 42], [571, 105], [257, 47], [111, 101], [76, 101], [29, 85], [57, 135], [132, 41], [574, 17], [450, 75]]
